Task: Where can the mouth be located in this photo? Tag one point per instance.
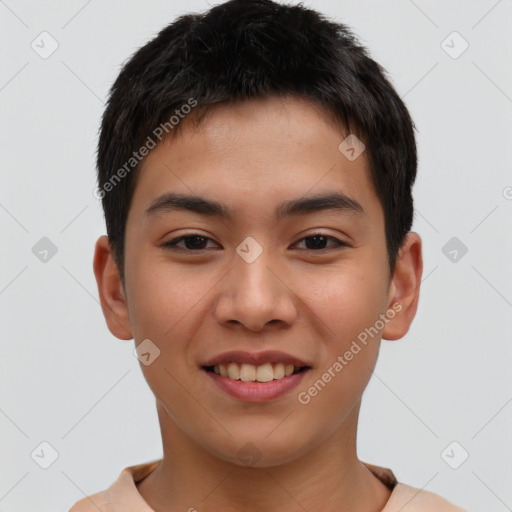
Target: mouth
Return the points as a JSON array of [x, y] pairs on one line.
[[265, 372], [255, 377]]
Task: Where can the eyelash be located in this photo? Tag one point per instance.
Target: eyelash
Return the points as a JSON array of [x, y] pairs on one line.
[[172, 244]]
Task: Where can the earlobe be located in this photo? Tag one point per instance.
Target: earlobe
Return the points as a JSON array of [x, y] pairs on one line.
[[405, 288], [110, 290]]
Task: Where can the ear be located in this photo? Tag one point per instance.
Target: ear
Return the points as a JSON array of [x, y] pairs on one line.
[[111, 291], [404, 290]]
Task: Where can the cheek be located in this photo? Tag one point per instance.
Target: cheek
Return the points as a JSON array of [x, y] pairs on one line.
[[348, 304], [165, 305], [163, 299], [345, 301]]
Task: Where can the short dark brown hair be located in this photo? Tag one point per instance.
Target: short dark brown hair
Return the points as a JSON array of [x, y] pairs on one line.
[[245, 49]]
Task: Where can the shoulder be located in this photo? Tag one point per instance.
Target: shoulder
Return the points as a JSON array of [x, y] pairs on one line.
[[89, 503], [122, 495], [409, 499], [412, 499]]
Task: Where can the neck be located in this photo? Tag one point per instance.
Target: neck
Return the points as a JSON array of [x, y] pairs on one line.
[[329, 478]]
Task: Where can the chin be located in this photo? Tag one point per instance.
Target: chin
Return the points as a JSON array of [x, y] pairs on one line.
[[263, 450]]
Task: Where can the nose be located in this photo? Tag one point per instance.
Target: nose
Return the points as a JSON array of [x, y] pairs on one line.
[[256, 295]]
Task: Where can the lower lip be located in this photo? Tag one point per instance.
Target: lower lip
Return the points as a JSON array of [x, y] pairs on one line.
[[257, 391]]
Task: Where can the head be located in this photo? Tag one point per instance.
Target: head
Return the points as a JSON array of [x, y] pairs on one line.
[[293, 244]]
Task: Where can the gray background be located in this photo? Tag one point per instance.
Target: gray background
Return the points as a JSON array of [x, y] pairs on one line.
[[67, 381]]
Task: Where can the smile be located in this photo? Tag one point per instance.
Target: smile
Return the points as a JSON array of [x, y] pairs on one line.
[[245, 372], [255, 376]]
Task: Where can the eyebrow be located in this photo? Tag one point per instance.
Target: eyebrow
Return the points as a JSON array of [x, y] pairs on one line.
[[310, 204]]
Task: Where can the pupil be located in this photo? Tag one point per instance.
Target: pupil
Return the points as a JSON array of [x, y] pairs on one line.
[[196, 242], [319, 241]]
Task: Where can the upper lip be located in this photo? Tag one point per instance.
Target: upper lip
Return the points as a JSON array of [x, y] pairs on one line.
[[254, 358]]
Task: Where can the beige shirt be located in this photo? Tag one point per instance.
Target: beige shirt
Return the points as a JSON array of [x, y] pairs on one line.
[[123, 496]]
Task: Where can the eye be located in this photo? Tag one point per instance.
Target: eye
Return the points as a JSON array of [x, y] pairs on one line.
[[318, 241], [193, 242]]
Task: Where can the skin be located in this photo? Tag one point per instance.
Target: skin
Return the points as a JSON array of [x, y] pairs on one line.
[[309, 302]]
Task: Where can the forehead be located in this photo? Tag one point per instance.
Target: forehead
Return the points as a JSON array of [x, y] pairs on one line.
[[253, 155]]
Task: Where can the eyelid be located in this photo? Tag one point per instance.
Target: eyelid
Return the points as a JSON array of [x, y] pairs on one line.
[[172, 244], [339, 243]]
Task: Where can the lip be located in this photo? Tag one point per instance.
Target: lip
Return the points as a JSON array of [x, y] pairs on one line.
[[255, 358], [256, 392]]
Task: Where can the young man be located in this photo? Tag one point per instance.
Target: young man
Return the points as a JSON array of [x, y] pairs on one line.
[[255, 168]]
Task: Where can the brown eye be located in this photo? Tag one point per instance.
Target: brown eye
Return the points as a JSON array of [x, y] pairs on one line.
[[318, 241], [191, 243]]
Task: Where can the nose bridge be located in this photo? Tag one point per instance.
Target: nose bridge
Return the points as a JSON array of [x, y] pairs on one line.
[[253, 279], [253, 294]]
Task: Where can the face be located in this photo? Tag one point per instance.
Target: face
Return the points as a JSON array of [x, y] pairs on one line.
[[256, 278]]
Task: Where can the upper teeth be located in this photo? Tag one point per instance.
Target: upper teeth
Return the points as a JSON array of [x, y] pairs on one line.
[[250, 373]]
